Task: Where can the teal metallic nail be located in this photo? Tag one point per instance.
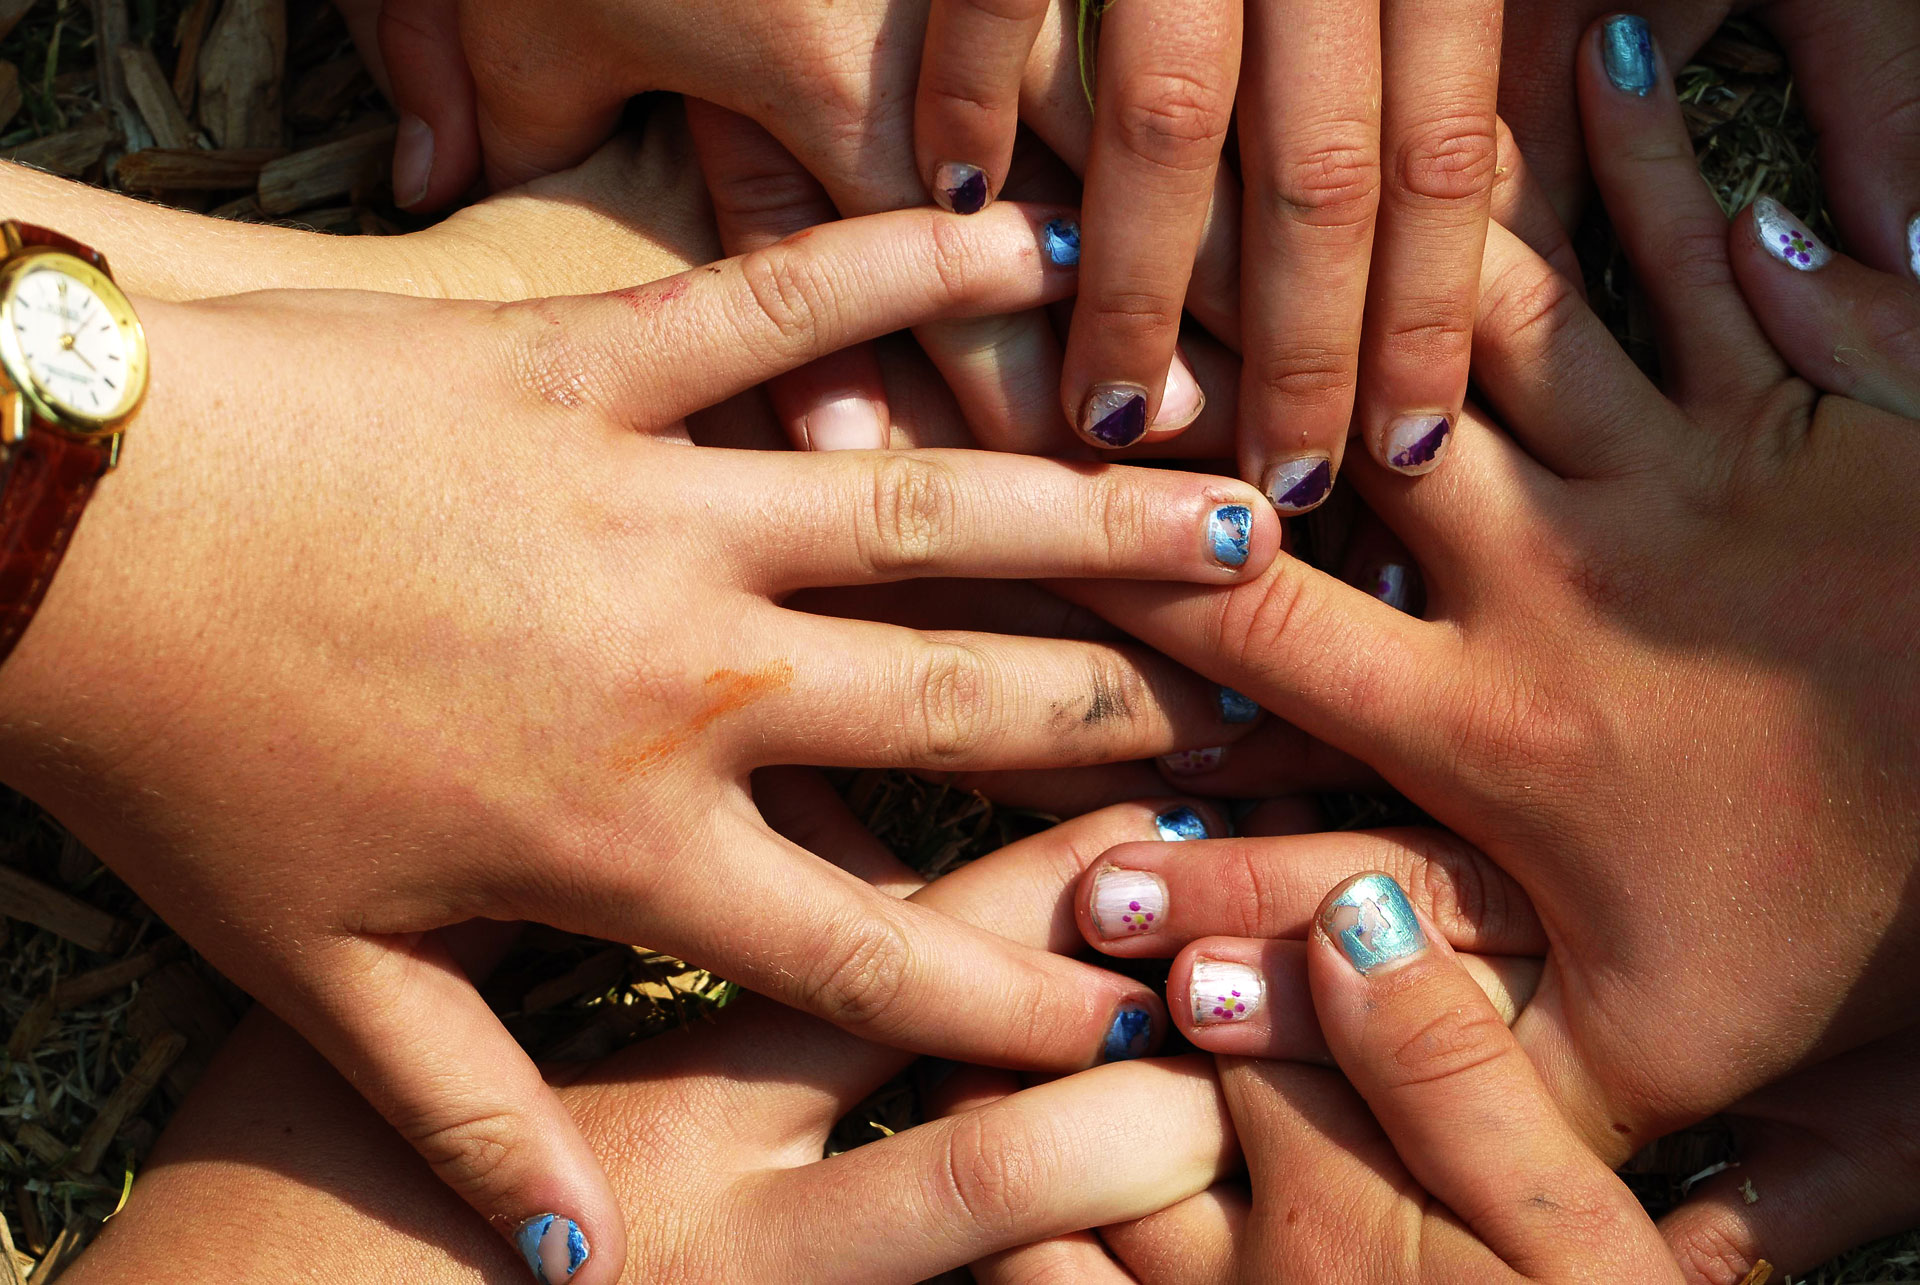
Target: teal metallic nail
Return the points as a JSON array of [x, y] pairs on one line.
[[553, 1246], [1626, 48], [1230, 534], [1235, 708], [1180, 825], [1130, 1035], [1373, 923]]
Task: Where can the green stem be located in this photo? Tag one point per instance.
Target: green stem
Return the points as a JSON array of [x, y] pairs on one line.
[[1091, 11]]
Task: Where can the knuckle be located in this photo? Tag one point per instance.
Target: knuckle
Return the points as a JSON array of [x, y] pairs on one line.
[[546, 360], [1450, 159], [1448, 1046], [1259, 621], [791, 302], [1333, 185], [1893, 319], [1429, 333], [1173, 120], [1695, 257], [1533, 307], [867, 965], [1124, 516], [1307, 374], [469, 1154], [1712, 1252], [956, 258], [915, 507], [993, 1171], [954, 706], [1135, 317]]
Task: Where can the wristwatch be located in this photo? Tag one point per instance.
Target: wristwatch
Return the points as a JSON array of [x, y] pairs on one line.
[[73, 368]]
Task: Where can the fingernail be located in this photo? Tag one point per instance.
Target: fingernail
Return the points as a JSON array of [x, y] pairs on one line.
[[553, 1247], [1626, 47], [1182, 401], [1787, 238], [1373, 924], [1181, 825], [1193, 762], [960, 187], [1415, 443], [1130, 1036], [1295, 486], [1229, 533], [412, 161], [1390, 585], [1061, 238], [1913, 246], [1115, 414], [849, 424], [1235, 708], [1221, 992], [1126, 902]]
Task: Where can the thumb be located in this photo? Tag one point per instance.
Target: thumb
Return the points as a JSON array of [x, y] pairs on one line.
[[436, 155], [1464, 1108], [411, 1033]]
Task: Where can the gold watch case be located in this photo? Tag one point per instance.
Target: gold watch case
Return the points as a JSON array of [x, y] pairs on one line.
[[27, 399]]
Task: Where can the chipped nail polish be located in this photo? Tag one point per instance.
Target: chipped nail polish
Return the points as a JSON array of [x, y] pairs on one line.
[[1373, 924], [1061, 238], [1787, 238], [1230, 533], [1295, 486], [1221, 992], [1390, 585], [1181, 825], [1913, 246], [960, 187], [1415, 443], [1626, 48], [1115, 414], [1127, 903], [1193, 762], [1181, 399], [553, 1247], [1235, 708], [1130, 1036]]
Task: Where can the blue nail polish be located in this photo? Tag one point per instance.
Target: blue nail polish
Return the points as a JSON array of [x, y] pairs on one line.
[[960, 187], [1130, 1035], [1235, 708], [1181, 825], [1626, 48], [1115, 415], [1373, 924], [1230, 533], [1415, 442], [1061, 237], [553, 1246], [1295, 486]]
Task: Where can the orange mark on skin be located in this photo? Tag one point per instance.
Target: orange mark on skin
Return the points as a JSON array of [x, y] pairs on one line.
[[728, 691]]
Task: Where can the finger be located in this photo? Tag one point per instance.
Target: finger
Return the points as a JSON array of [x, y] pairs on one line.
[[863, 518], [1034, 1165], [802, 806], [1167, 87], [1855, 67], [1669, 223], [1842, 326], [1438, 154], [968, 105], [406, 1027], [1006, 607], [1310, 156], [1271, 887], [436, 154], [1461, 1103], [1062, 792], [737, 323], [1522, 206], [1195, 1242], [1275, 758], [761, 195]]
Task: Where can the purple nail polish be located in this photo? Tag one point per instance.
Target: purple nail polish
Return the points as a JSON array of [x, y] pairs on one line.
[[1295, 486], [960, 187], [1115, 414], [1415, 443]]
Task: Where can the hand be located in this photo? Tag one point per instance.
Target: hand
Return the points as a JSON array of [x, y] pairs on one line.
[[1658, 642], [471, 634], [731, 1121]]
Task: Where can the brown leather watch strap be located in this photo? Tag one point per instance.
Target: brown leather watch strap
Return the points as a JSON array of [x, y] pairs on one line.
[[48, 482]]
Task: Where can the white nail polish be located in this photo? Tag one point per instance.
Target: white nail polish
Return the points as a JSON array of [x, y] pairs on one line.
[[1416, 442], [1786, 238], [1221, 992], [1127, 903], [1193, 762]]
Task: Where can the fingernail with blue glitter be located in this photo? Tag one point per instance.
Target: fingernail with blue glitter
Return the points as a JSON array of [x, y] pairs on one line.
[[1061, 238], [1181, 825], [1626, 49], [960, 187], [553, 1246], [1373, 923], [1230, 534], [1130, 1036], [1295, 486], [1235, 708]]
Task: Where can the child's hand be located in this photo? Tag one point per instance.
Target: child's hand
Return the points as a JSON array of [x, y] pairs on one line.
[[1667, 680]]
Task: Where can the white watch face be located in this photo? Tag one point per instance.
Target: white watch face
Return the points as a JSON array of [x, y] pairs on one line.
[[71, 344]]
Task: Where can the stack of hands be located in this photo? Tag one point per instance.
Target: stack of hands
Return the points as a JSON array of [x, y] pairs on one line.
[[473, 577]]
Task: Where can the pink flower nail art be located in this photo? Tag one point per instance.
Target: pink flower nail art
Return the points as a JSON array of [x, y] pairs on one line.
[[1222, 992], [1126, 902]]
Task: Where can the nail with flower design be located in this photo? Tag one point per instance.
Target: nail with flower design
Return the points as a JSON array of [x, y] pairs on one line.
[[1127, 903], [1786, 238], [1221, 992]]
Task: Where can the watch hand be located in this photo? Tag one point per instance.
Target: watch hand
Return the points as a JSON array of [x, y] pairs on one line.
[[75, 350]]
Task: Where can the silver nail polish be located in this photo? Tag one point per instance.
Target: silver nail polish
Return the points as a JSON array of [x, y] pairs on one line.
[[1626, 49], [553, 1247], [1390, 585], [1222, 992], [1127, 903], [1786, 238], [1373, 923], [1415, 443]]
